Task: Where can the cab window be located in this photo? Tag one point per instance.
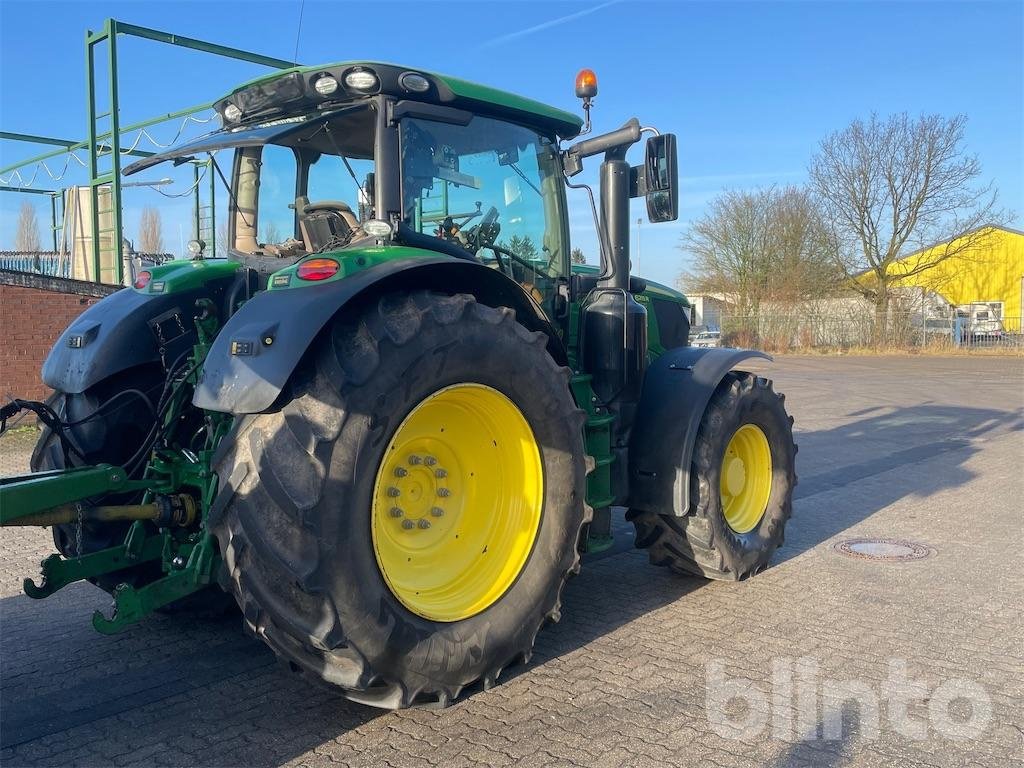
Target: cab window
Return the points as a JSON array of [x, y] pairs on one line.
[[492, 188], [278, 171], [330, 177], [309, 192]]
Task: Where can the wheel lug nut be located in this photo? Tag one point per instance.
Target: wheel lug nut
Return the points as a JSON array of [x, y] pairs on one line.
[[424, 524], [401, 471], [414, 460], [407, 524], [394, 492], [396, 512], [440, 473], [436, 511], [430, 461], [443, 492]]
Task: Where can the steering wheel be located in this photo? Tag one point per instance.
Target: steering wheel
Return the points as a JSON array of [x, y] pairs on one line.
[[499, 250], [484, 234]]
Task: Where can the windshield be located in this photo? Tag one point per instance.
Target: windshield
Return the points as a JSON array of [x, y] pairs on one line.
[[495, 190], [486, 174]]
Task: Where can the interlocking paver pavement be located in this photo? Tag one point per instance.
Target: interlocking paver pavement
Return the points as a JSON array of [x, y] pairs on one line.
[[926, 449]]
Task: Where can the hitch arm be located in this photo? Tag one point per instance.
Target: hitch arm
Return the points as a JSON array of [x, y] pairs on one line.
[[28, 495], [131, 604], [59, 572]]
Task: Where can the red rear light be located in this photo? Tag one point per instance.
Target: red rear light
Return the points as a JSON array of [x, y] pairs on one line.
[[317, 269], [142, 279]]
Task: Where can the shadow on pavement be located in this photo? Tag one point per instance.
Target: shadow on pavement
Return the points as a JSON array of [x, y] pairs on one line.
[[884, 441]]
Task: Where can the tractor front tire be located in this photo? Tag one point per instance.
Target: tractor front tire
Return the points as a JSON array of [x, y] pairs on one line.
[[741, 487], [403, 525]]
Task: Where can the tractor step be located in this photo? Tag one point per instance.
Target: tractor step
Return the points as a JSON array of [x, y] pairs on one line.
[[598, 442]]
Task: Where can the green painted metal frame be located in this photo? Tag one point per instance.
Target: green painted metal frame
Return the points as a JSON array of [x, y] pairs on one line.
[[112, 177], [55, 194], [107, 143], [29, 191], [69, 145], [198, 208]]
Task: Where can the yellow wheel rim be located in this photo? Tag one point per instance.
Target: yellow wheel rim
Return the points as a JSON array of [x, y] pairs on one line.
[[746, 478], [457, 502]]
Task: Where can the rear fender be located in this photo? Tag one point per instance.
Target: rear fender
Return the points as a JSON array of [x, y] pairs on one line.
[[677, 389], [255, 353], [126, 329]]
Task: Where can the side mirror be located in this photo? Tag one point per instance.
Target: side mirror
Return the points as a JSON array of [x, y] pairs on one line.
[[661, 177]]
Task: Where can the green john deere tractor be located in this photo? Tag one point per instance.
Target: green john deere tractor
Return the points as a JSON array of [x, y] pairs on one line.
[[392, 419]]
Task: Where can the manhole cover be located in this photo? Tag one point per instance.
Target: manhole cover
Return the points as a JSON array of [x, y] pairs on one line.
[[883, 549]]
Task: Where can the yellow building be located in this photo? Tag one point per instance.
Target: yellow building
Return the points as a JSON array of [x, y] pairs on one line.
[[985, 266]]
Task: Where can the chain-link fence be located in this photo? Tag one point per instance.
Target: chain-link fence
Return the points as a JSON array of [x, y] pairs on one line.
[[49, 263], [801, 330]]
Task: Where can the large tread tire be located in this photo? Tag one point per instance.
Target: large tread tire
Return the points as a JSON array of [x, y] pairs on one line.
[[293, 513], [703, 543]]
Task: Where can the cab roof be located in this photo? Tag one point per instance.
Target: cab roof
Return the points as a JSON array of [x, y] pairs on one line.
[[443, 89]]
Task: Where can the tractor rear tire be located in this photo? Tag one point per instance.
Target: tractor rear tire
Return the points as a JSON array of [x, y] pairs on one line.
[[717, 540], [317, 496]]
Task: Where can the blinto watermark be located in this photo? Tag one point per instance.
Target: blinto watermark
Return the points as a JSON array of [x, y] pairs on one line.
[[798, 704]]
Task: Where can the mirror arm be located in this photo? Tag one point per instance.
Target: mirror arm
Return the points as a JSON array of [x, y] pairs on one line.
[[622, 139]]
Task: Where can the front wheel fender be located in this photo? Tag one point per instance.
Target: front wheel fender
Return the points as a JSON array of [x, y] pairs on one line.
[[677, 389]]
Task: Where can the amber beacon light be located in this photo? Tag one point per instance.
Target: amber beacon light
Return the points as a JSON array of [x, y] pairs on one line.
[[586, 84]]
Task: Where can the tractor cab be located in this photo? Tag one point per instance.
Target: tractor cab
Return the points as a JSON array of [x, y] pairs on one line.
[[328, 161], [345, 156]]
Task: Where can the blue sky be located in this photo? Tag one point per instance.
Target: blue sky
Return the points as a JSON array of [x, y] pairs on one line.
[[749, 88]]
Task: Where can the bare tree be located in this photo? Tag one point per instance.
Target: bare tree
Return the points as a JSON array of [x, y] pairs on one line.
[[222, 246], [894, 186], [576, 256], [271, 234], [151, 234], [761, 245], [728, 246], [27, 237], [802, 257]]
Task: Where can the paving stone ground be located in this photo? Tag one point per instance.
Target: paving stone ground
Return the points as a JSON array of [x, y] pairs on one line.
[[645, 668]]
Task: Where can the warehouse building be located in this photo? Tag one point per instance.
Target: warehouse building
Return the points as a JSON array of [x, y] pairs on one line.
[[987, 268]]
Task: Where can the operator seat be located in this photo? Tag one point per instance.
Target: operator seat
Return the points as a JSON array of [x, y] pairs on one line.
[[324, 222]]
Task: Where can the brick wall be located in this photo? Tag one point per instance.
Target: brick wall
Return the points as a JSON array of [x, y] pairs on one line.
[[34, 311]]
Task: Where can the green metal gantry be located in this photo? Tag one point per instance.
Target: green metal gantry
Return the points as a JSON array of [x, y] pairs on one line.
[[111, 176], [56, 195], [105, 145]]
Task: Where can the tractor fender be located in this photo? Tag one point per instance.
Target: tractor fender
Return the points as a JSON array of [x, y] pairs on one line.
[[123, 330], [255, 353], [677, 389]]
